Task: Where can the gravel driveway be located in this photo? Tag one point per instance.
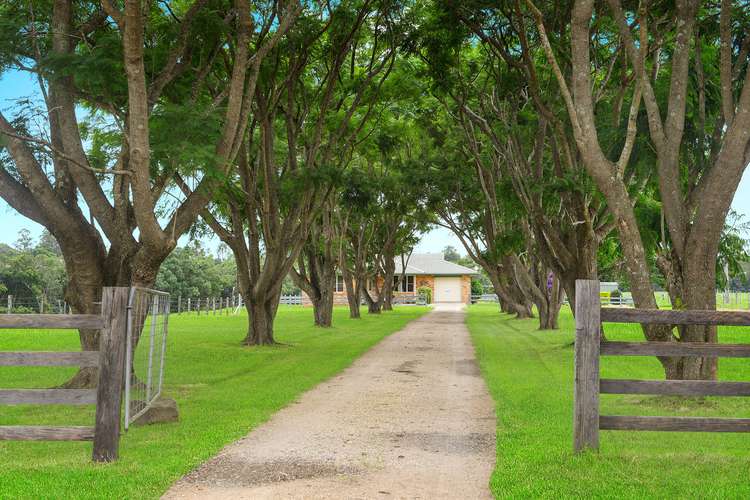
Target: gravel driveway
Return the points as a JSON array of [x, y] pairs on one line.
[[411, 418]]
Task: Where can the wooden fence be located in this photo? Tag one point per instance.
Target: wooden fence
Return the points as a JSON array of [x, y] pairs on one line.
[[107, 396], [588, 384]]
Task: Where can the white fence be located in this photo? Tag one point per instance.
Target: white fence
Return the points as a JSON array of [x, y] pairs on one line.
[[145, 355], [221, 305], [206, 305], [617, 301], [485, 297], [291, 300]]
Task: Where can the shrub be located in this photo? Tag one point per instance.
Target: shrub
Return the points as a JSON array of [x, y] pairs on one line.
[[426, 293]]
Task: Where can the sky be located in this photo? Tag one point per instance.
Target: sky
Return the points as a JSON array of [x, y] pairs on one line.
[[14, 85]]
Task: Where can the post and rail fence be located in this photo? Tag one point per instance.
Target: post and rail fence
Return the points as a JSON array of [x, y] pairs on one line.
[[589, 347], [110, 359]]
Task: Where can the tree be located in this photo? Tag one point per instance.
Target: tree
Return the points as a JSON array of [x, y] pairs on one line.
[[49, 243], [733, 251], [192, 272], [484, 77], [32, 274], [315, 272], [179, 104], [451, 254], [701, 144], [317, 92], [479, 208], [24, 241], [384, 206]]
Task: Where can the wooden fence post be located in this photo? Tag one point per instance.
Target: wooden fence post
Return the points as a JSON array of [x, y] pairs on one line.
[[111, 373], [586, 396]]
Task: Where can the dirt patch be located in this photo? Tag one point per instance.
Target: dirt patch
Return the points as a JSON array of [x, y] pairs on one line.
[[407, 367], [444, 442], [224, 471], [468, 367]]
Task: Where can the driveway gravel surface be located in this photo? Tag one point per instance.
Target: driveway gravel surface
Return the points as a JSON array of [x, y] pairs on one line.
[[411, 418]]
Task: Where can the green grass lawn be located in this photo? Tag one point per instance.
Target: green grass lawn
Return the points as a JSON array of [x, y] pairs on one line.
[[530, 375], [223, 391]]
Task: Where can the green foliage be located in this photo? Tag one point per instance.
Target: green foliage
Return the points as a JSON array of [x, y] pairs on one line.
[[733, 251], [451, 254], [29, 272], [425, 292], [191, 271]]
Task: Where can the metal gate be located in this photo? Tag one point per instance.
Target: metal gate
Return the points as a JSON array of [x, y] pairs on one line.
[[145, 354]]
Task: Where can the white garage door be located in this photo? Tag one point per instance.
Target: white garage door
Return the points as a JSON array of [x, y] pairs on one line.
[[447, 290]]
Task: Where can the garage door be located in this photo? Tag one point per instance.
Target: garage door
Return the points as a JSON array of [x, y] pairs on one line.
[[447, 290]]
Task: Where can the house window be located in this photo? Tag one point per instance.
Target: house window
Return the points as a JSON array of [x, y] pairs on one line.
[[403, 285], [340, 283], [408, 284]]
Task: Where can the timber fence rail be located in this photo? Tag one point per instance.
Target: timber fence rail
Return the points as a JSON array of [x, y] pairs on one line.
[[110, 359], [589, 347]]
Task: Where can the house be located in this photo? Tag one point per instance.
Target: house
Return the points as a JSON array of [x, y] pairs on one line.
[[449, 282]]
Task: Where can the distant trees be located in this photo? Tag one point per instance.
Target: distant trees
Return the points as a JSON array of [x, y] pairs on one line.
[[191, 271], [451, 254], [32, 273]]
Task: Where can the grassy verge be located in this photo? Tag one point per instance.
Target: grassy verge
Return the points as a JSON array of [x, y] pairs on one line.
[[223, 391], [530, 375]]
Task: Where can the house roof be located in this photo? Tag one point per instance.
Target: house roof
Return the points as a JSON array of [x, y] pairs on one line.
[[432, 263]]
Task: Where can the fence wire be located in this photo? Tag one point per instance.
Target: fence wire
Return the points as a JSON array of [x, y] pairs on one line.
[[148, 323]]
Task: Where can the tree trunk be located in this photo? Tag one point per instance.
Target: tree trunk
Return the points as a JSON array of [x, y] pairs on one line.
[[82, 301], [390, 272], [353, 294], [698, 290], [554, 297], [508, 303], [388, 302], [90, 268], [373, 306], [523, 307], [261, 315], [532, 280], [323, 308]]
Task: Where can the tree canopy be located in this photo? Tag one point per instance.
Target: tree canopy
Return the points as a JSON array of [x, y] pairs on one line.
[[557, 140]]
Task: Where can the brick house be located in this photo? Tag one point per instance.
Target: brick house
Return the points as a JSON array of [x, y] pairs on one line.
[[450, 282]]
